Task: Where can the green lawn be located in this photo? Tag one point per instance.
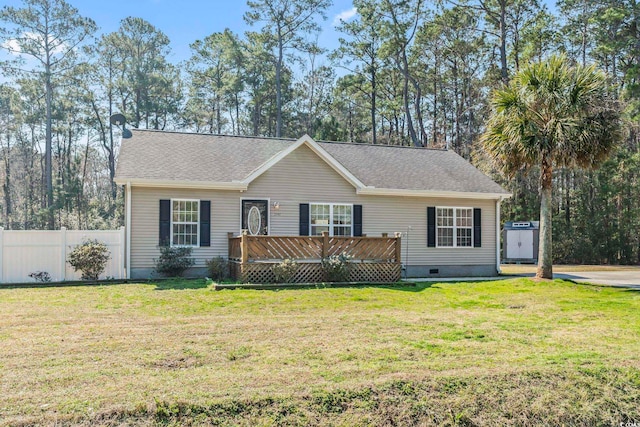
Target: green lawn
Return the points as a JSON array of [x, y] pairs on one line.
[[514, 352]]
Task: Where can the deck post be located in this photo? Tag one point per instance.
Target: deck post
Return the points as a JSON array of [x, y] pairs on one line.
[[244, 245], [229, 237], [398, 247], [325, 244], [244, 254]]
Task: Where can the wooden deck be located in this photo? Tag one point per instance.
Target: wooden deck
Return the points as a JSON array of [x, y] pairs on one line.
[[373, 259]]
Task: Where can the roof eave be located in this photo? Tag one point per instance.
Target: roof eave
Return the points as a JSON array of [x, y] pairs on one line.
[[372, 191], [157, 183]]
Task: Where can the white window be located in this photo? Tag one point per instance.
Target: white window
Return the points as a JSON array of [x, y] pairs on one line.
[[334, 218], [185, 220], [454, 227]]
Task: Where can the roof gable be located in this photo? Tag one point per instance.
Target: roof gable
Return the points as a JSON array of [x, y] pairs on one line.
[[318, 150]]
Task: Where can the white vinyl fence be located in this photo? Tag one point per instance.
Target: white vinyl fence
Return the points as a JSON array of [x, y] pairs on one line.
[[27, 251]]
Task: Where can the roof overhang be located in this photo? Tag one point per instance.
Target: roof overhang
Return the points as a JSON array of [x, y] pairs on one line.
[[208, 185], [318, 150], [372, 191]]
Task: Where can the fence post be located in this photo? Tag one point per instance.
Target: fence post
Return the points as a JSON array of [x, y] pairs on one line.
[[1, 254], [122, 252], [325, 244], [398, 247], [63, 261]]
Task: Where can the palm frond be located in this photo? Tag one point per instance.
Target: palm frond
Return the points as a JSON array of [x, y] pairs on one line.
[[555, 108]]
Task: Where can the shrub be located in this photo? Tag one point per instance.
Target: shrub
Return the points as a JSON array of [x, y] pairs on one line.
[[218, 268], [40, 276], [337, 268], [285, 271], [174, 261], [90, 258]]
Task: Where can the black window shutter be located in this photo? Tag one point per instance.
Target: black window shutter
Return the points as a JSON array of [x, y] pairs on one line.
[[205, 223], [431, 227], [357, 220], [304, 219], [165, 223], [477, 228]]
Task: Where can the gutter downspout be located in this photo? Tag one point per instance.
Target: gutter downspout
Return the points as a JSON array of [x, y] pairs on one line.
[[128, 227], [498, 202]]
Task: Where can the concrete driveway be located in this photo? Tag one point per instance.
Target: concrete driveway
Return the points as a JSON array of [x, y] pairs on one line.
[[608, 275], [624, 278], [619, 276]]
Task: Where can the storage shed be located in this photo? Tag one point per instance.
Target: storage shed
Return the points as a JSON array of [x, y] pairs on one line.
[[520, 241]]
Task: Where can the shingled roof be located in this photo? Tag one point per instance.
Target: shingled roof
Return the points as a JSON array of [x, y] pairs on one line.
[[222, 161]]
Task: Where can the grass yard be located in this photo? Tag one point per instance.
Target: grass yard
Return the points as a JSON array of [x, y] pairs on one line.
[[511, 352]]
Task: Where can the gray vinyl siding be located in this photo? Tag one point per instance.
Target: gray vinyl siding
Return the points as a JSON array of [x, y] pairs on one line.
[[302, 177]]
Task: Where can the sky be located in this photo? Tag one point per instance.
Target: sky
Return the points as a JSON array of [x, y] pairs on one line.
[[185, 21]]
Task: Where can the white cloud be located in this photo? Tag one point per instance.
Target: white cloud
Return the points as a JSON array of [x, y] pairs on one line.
[[14, 45], [345, 15]]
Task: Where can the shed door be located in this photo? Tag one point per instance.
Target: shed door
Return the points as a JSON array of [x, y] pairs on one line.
[[520, 244], [526, 244]]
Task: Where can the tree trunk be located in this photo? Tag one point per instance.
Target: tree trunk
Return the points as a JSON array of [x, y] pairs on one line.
[[48, 171], [256, 118], [350, 123], [279, 87], [504, 71], [218, 117], [405, 96], [545, 260], [434, 129], [585, 32], [373, 103], [312, 90], [418, 110], [457, 140], [7, 185], [567, 197], [233, 121], [81, 198], [237, 114]]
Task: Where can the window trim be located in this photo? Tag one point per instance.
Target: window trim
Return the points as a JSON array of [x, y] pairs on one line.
[[455, 227], [331, 225], [197, 201]]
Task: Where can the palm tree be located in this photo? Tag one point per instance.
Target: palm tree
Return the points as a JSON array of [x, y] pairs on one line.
[[551, 115]]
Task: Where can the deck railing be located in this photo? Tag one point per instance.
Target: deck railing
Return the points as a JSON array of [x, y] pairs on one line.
[[373, 259]]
